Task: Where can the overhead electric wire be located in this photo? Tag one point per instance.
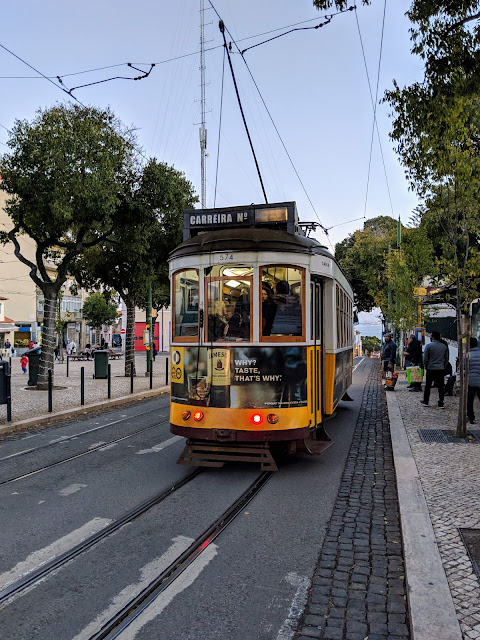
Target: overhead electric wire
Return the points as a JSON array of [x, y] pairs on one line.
[[68, 94], [275, 127], [374, 106], [185, 55]]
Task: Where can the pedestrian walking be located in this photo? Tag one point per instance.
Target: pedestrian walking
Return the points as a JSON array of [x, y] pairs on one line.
[[413, 358], [473, 379], [388, 353], [435, 360], [56, 351], [154, 350], [23, 363]]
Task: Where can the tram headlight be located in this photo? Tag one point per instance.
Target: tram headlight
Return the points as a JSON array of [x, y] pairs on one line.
[[186, 415], [257, 418], [272, 418], [197, 416]]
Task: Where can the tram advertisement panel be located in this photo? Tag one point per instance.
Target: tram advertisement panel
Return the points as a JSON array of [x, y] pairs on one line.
[[240, 377]]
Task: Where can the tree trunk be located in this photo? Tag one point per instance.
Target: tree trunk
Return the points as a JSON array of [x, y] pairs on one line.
[[462, 333], [129, 338], [48, 338]]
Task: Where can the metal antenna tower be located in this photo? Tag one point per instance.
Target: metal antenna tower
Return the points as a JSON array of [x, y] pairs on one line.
[[203, 131]]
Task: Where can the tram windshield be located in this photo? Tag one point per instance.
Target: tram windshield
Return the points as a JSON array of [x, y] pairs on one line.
[[185, 303], [228, 290], [282, 301]]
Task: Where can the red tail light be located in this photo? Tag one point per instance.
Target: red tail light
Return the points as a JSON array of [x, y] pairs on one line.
[[257, 418], [198, 415]]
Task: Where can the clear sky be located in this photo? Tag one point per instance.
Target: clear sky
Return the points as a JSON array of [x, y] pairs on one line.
[[313, 82]]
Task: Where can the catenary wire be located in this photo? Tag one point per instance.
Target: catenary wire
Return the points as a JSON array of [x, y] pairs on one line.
[[275, 127], [374, 106]]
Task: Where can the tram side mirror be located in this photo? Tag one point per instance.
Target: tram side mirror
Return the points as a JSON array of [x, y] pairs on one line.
[[355, 317]]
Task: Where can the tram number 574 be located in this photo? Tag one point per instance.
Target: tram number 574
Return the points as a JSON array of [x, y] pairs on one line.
[[225, 257]]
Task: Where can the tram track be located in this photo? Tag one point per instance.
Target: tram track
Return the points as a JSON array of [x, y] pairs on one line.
[[80, 455], [64, 439], [39, 574], [118, 623]]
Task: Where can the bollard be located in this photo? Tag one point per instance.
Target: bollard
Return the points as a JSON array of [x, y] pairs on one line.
[[50, 399], [151, 375], [166, 370], [68, 358], [82, 386], [9, 395], [131, 377], [109, 381]]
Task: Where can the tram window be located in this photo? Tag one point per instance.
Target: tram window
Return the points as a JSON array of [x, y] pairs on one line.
[[185, 304], [228, 290], [282, 301]]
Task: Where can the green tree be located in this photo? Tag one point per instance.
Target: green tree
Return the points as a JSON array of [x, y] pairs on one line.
[[370, 344], [151, 226], [64, 175], [98, 310], [436, 127]]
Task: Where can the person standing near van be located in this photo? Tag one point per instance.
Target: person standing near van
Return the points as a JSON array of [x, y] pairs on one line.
[[435, 360], [473, 379]]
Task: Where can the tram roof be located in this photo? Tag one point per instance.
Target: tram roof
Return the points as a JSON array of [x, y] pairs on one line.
[[249, 239]]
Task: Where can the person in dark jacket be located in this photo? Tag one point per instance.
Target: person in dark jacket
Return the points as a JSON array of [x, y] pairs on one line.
[[435, 360], [473, 379], [413, 358], [388, 353]]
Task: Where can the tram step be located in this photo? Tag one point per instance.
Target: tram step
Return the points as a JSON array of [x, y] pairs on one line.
[[205, 454]]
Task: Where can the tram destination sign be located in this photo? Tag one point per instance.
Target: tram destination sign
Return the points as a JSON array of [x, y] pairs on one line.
[[279, 216]]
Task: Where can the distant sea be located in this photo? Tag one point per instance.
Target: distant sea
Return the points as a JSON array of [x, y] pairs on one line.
[[369, 329]]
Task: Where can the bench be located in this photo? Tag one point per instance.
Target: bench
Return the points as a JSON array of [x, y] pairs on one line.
[[79, 356], [114, 355]]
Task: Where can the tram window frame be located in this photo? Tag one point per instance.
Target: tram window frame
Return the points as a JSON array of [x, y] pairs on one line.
[[208, 279], [176, 338], [281, 338]]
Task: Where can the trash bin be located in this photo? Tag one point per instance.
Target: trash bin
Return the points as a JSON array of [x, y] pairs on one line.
[[33, 366], [4, 371], [100, 358]]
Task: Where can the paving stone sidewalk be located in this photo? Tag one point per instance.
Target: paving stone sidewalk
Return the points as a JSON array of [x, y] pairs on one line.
[[358, 588], [450, 478]]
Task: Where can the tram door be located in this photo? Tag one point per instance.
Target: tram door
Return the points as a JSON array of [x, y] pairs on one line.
[[317, 335]]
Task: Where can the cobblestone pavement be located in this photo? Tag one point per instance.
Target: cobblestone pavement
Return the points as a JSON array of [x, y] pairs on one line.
[[30, 403], [358, 588], [450, 477]]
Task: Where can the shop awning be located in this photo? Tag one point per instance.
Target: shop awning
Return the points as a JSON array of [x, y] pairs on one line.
[[6, 328]]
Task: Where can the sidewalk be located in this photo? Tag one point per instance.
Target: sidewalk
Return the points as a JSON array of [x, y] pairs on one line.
[[447, 477], [30, 406]]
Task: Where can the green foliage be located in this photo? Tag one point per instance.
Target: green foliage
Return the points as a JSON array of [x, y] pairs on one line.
[[370, 344], [66, 175], [98, 310]]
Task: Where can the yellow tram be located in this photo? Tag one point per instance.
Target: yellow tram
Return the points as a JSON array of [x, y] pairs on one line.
[[262, 335]]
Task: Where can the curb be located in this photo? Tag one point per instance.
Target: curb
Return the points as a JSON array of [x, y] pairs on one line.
[[432, 612], [59, 416]]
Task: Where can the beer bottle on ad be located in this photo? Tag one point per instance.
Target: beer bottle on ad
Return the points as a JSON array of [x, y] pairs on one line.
[[220, 368]]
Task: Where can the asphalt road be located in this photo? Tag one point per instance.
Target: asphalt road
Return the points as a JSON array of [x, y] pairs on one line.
[[249, 584]]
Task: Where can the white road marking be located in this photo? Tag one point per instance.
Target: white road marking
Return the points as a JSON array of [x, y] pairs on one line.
[[73, 488], [108, 446], [148, 573], [38, 558], [162, 445], [96, 444], [41, 502], [185, 579], [288, 628], [358, 364]]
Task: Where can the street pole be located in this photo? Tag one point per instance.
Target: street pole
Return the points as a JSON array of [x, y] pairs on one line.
[[149, 326]]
